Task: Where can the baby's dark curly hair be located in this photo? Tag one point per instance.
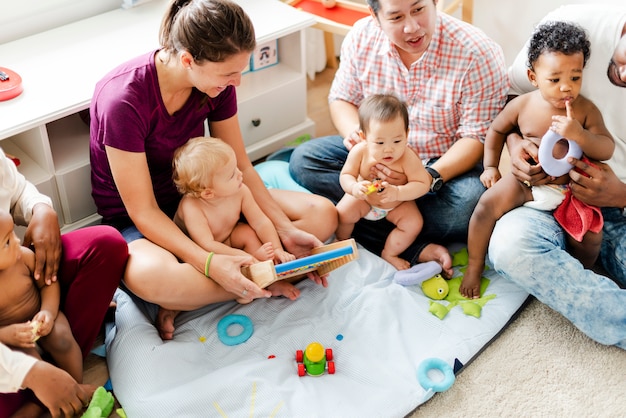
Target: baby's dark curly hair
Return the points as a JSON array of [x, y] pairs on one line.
[[564, 37]]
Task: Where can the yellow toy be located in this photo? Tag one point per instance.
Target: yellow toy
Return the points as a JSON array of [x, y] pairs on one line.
[[436, 287]]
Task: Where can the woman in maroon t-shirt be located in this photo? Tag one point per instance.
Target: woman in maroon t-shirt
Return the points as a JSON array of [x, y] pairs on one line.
[[145, 109]]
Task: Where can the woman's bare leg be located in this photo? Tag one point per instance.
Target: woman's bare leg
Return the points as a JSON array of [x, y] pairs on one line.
[[310, 212], [156, 276]]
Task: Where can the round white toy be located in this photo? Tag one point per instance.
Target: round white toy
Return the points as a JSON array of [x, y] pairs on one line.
[[551, 165]]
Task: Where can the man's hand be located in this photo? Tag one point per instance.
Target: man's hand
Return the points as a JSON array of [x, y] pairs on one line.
[[522, 151], [44, 235], [57, 390], [597, 186], [354, 138], [384, 173]]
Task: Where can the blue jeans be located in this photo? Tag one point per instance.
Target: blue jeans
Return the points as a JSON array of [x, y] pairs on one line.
[[316, 165], [528, 248], [131, 233]]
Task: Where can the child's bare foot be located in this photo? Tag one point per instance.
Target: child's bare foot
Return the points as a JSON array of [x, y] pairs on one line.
[[397, 262], [282, 256], [470, 285], [283, 288], [438, 253], [165, 323], [264, 252]]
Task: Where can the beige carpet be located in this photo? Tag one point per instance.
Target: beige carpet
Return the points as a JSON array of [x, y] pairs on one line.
[[540, 366]]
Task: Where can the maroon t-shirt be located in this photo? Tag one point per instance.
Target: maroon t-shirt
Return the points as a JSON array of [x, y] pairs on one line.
[[128, 113]]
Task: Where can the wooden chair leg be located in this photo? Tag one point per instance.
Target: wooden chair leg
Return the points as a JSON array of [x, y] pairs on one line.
[[329, 43]]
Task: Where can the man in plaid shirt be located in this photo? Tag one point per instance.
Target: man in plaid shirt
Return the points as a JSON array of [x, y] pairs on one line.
[[453, 79]]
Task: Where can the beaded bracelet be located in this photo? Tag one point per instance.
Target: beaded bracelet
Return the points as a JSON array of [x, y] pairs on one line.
[[207, 264]]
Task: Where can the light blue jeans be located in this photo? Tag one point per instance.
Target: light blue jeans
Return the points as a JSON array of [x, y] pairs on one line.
[[316, 165], [528, 248]]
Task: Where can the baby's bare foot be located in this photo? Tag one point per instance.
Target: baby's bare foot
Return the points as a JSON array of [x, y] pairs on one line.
[[264, 252], [283, 288], [438, 253], [397, 262], [470, 285], [165, 323]]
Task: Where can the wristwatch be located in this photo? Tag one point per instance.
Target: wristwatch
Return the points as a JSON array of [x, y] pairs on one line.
[[437, 182]]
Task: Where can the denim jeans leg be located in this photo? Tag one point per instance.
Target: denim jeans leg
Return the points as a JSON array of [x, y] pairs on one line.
[[613, 252], [528, 248], [316, 165]]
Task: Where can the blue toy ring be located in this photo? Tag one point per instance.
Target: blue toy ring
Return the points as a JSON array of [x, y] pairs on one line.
[[233, 319], [438, 364]]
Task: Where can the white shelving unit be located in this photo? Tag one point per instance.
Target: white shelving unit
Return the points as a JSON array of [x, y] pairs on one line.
[[60, 68]]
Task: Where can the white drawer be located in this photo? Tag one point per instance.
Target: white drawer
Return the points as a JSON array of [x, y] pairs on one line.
[[263, 116]]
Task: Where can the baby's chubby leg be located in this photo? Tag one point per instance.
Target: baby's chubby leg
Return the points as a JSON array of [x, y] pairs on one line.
[[507, 194], [63, 348], [245, 238], [349, 211], [409, 222]]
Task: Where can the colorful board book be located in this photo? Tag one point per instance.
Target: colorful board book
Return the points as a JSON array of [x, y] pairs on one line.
[[323, 259]]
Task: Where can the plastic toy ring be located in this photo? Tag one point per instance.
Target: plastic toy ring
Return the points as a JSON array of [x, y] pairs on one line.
[[551, 165], [437, 364], [233, 319]]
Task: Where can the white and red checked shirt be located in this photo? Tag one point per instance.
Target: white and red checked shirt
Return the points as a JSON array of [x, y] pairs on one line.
[[453, 91]]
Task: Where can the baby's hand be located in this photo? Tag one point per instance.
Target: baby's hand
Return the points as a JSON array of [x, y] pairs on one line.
[[359, 189], [567, 126], [18, 335], [46, 322], [490, 176], [390, 193]]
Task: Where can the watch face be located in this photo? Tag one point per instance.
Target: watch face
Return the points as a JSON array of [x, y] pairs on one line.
[[437, 183]]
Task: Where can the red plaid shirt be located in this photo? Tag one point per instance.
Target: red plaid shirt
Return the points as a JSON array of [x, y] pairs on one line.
[[453, 91]]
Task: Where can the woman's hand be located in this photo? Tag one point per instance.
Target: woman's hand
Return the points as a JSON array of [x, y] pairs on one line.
[[44, 235], [300, 244], [225, 270], [523, 151]]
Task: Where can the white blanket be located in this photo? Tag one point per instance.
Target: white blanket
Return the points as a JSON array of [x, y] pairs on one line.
[[379, 332]]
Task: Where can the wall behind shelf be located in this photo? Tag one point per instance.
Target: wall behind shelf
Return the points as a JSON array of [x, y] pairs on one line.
[[20, 18]]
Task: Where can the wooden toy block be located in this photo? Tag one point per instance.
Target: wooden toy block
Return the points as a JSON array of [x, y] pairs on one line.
[[323, 259]]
